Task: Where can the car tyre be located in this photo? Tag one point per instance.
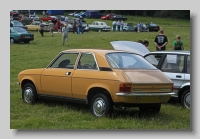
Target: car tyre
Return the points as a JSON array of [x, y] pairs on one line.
[[29, 94], [185, 99], [150, 109], [101, 105], [12, 40]]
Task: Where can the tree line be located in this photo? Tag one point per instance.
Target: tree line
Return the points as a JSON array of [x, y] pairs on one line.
[[178, 14]]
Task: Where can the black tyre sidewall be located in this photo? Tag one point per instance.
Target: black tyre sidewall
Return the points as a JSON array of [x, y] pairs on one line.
[[182, 97]]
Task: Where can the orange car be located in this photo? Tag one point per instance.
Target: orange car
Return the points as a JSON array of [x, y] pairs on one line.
[[100, 78]]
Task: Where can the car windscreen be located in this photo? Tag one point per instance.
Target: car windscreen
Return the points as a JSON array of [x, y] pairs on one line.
[[20, 30], [153, 25], [123, 60], [18, 24]]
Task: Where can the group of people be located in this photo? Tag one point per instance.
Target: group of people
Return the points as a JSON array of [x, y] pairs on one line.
[[118, 24], [64, 29], [161, 41]]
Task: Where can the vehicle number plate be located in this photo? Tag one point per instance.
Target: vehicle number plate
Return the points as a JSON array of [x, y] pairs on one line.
[[27, 37]]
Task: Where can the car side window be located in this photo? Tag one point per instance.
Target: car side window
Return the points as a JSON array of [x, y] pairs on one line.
[[173, 63], [154, 59], [66, 60], [188, 64], [12, 30], [87, 61], [97, 23]]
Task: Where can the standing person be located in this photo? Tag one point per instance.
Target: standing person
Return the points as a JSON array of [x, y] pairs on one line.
[[122, 24], [43, 13], [41, 28], [146, 44], [51, 26], [178, 44], [58, 25], [74, 27], [160, 41], [66, 19], [47, 13], [65, 31], [79, 25], [118, 25], [61, 26], [138, 27], [114, 23]]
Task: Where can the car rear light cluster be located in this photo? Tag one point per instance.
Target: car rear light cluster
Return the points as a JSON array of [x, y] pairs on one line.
[[125, 88]]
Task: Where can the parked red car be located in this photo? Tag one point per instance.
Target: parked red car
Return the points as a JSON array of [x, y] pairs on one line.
[[108, 16], [47, 18]]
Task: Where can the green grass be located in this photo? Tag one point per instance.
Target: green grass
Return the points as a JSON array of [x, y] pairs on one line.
[[63, 115]]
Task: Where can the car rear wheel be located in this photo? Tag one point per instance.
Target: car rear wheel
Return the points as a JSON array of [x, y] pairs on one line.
[[185, 99], [150, 108], [101, 105], [12, 40], [29, 94]]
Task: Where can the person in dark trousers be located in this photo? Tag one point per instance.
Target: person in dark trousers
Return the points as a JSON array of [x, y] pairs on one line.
[[79, 25], [41, 29], [74, 27], [161, 41]]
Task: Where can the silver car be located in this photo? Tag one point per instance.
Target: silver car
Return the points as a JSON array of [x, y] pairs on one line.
[[175, 64]]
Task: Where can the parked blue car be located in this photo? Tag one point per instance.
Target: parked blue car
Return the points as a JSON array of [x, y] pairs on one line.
[[18, 34], [93, 14]]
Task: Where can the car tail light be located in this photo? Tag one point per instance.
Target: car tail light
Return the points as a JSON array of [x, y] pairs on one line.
[[20, 36], [125, 87]]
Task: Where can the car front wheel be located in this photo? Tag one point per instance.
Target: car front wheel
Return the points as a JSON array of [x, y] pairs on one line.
[[29, 94], [185, 99], [101, 105], [12, 40]]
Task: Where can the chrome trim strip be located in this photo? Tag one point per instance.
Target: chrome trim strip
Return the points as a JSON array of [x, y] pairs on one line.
[[140, 94]]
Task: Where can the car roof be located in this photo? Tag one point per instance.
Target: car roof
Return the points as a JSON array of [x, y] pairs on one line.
[[96, 51], [16, 27], [172, 52]]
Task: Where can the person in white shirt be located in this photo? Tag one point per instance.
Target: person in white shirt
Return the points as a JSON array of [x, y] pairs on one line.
[[65, 31], [51, 26]]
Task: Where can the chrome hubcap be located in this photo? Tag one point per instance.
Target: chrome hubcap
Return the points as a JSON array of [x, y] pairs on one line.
[[99, 107], [28, 95], [187, 100]]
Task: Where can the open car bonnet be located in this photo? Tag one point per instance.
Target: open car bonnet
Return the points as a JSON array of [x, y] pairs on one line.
[[134, 47]]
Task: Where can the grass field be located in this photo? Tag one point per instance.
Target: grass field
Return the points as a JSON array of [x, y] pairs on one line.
[[62, 115]]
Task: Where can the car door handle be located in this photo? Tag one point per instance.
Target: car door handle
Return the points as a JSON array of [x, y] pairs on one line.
[[178, 76], [68, 73]]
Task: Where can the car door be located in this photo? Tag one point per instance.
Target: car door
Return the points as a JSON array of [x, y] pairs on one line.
[[84, 75], [56, 79]]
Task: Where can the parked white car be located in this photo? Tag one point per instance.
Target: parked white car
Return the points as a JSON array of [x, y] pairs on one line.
[[128, 27], [175, 64], [99, 26]]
